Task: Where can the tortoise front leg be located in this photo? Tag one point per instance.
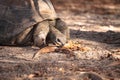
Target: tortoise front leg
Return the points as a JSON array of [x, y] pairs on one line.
[[62, 27], [40, 33], [59, 32], [56, 37]]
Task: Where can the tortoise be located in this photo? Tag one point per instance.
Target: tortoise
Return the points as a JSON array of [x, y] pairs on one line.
[[30, 22]]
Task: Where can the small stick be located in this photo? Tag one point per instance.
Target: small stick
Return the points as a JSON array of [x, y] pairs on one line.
[[45, 50]]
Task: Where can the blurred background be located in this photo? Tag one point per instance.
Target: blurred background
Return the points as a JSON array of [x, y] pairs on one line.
[[91, 6]]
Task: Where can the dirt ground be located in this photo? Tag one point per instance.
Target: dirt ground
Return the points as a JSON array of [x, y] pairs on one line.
[[98, 59]]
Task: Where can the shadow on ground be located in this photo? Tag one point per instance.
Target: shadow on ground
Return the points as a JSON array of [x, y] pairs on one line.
[[109, 37]]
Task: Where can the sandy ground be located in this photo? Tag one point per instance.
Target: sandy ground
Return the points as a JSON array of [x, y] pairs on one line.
[[98, 35]]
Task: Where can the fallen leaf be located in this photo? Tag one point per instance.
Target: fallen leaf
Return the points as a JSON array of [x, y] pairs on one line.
[[75, 46], [71, 45], [116, 56], [45, 50], [68, 48], [36, 74], [31, 76]]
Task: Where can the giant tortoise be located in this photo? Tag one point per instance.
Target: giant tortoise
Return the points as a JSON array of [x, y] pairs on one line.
[[27, 22]]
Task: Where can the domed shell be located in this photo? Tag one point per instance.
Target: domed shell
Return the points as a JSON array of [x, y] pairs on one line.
[[18, 15]]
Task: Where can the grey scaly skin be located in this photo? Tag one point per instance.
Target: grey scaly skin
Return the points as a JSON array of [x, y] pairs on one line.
[[56, 35], [55, 31], [44, 30], [62, 27], [40, 33]]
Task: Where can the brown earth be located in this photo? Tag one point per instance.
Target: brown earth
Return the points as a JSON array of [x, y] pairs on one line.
[[96, 28]]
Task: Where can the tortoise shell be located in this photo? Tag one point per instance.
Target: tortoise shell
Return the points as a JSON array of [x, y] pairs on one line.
[[18, 15]]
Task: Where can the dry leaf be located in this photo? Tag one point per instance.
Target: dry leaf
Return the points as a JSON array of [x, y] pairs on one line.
[[71, 45], [63, 50], [31, 76], [45, 50], [67, 48], [116, 56], [84, 49], [75, 46], [36, 74]]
